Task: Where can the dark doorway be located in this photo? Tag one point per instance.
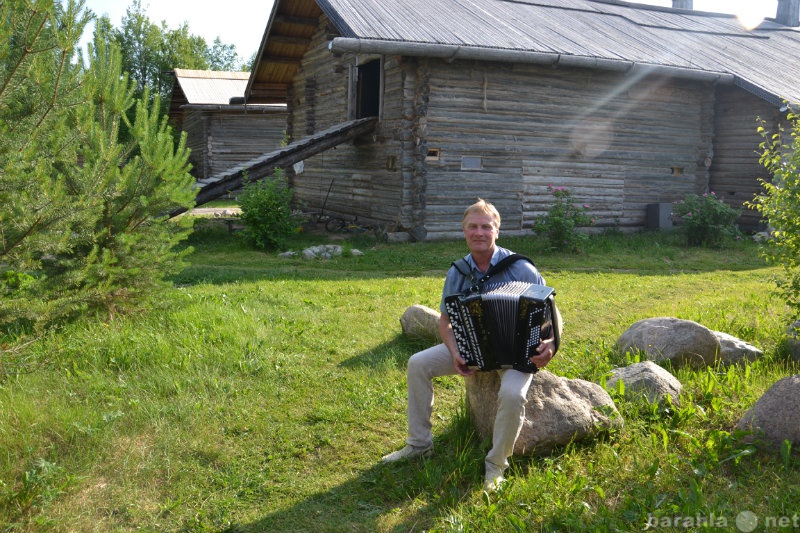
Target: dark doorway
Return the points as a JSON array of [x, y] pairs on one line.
[[369, 89]]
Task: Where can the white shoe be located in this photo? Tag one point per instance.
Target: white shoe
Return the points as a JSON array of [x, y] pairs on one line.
[[409, 452], [493, 479]]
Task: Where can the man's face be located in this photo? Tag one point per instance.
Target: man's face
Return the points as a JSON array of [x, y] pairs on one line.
[[480, 232]]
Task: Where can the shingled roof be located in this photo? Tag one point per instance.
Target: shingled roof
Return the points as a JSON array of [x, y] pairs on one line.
[[605, 34]]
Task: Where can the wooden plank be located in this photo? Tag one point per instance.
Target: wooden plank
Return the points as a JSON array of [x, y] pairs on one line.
[[265, 166]]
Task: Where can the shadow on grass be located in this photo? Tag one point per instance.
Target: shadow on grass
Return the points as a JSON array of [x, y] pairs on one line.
[[393, 353], [398, 497]]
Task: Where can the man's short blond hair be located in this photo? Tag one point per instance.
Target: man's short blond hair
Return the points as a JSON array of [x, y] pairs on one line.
[[484, 208]]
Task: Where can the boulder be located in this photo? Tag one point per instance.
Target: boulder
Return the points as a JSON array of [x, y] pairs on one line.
[[648, 379], [671, 339], [421, 322], [793, 340], [776, 415], [558, 411], [733, 350]]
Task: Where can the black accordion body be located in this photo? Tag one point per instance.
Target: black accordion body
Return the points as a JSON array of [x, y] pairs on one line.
[[500, 326]]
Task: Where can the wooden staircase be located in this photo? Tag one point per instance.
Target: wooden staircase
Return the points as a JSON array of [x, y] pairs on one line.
[[264, 166]]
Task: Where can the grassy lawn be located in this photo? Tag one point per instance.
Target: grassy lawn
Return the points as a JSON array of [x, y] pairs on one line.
[[260, 393]]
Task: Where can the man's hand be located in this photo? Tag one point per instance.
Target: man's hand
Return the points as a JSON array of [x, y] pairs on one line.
[[446, 331], [461, 366], [546, 351]]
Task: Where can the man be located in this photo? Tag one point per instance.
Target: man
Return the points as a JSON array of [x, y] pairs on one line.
[[481, 226]]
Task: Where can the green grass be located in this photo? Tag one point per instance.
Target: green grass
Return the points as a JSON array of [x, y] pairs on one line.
[[261, 392]]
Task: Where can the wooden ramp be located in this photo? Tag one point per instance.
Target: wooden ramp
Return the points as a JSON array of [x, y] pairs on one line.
[[264, 166]]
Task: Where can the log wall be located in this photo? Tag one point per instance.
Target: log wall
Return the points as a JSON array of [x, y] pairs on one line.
[[618, 143], [735, 171], [223, 139], [362, 180]]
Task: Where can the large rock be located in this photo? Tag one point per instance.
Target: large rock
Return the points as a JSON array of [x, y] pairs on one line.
[[793, 340], [671, 339], [421, 322], [776, 415], [733, 350], [648, 379], [559, 411]]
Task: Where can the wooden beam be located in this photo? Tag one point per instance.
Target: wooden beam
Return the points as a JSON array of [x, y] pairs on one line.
[[285, 39], [297, 21], [282, 60], [264, 167]]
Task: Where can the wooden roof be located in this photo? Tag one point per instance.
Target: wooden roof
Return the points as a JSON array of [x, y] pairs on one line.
[[289, 30], [592, 33], [209, 86]]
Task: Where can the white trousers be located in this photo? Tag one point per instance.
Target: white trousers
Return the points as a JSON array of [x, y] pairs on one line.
[[436, 361]]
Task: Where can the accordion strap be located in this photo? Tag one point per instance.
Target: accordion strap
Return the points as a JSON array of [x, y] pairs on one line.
[[477, 284]]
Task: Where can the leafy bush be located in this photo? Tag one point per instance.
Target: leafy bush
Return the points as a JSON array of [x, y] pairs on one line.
[[560, 225], [705, 219], [780, 206], [267, 212]]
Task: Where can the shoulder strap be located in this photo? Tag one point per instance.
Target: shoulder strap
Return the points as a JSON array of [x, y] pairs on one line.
[[467, 272], [504, 264], [494, 269]]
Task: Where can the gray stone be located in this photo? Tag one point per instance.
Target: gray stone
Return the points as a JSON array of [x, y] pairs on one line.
[[793, 340], [558, 411], [648, 379], [671, 339], [324, 251], [776, 415], [733, 350], [421, 322]]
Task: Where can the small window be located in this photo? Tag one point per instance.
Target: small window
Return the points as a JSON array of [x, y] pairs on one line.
[[471, 162], [677, 171], [433, 154]]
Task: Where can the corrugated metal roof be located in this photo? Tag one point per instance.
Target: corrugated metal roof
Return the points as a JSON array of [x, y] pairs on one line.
[[763, 60], [211, 87]]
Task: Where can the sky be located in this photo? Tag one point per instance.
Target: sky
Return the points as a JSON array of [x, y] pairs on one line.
[[242, 22], [238, 22]]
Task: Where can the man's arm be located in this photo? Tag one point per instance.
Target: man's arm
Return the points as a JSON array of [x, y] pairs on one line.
[[449, 339]]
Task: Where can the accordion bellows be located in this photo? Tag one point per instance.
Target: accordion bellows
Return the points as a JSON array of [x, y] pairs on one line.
[[501, 326]]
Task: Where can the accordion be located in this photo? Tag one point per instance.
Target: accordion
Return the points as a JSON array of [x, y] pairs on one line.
[[501, 326]]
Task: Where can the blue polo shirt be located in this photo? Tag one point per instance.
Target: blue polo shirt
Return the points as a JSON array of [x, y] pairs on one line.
[[456, 283]]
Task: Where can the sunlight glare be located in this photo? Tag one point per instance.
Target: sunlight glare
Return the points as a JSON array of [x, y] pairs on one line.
[[748, 12]]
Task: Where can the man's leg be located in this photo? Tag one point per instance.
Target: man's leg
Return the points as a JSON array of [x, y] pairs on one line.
[[422, 368], [508, 421]]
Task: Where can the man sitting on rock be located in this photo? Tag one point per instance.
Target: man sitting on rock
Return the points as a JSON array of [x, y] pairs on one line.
[[481, 226]]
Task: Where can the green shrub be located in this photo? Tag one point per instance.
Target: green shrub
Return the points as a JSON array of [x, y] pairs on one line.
[[267, 212], [560, 225], [706, 219], [780, 206]]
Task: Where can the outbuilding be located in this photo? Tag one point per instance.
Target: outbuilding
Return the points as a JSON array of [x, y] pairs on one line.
[[625, 104], [221, 130]]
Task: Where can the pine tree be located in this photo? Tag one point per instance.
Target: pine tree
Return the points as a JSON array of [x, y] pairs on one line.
[[82, 214]]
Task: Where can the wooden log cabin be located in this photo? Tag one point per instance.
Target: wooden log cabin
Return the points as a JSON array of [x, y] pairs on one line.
[[625, 104], [221, 130]]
